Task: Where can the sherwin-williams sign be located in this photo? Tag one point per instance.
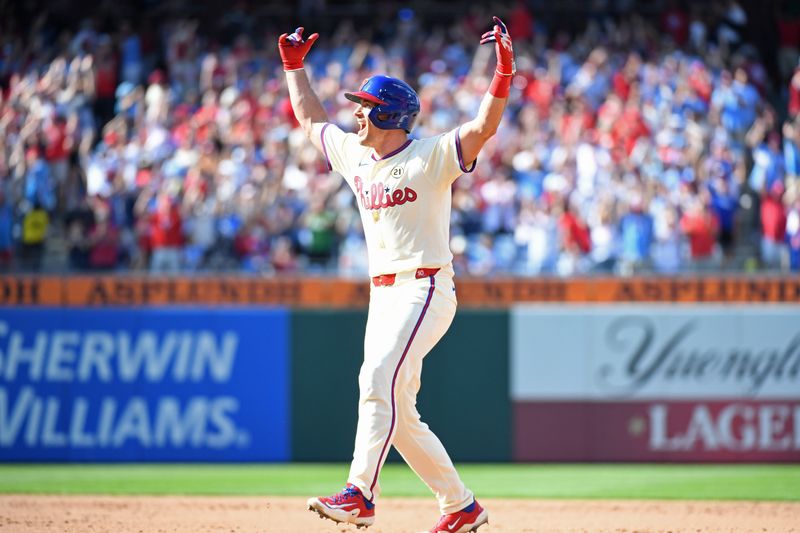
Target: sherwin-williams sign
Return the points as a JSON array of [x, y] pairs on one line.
[[643, 383], [144, 384]]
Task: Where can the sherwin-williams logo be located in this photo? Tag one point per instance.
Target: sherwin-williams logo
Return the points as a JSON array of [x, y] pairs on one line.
[[111, 372]]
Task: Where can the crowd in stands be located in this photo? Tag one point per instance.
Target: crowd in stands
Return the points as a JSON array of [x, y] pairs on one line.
[[637, 145]]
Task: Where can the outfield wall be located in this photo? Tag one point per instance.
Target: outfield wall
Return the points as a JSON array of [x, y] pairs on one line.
[[464, 396], [227, 384], [214, 370], [656, 383], [144, 384]]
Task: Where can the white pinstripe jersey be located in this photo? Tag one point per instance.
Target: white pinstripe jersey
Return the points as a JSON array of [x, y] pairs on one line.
[[404, 198]]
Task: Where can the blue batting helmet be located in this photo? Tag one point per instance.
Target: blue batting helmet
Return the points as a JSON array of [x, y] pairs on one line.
[[396, 103]]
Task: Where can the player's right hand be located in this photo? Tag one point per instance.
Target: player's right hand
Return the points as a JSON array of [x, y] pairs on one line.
[[503, 48], [293, 48]]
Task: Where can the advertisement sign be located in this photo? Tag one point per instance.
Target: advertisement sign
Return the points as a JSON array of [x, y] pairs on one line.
[[649, 383], [144, 385], [634, 352], [325, 293], [667, 430]]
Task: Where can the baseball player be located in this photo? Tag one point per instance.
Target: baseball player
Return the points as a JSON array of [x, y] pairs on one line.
[[403, 191]]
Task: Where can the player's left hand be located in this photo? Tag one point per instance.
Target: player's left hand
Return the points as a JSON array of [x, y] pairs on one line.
[[503, 48], [293, 48]]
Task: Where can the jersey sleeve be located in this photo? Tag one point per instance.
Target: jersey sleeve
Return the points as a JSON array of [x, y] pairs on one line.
[[336, 145], [446, 162]]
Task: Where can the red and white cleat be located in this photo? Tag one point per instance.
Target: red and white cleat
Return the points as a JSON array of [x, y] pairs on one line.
[[348, 506], [468, 519]]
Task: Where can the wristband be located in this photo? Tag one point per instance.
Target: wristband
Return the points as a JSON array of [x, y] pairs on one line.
[[501, 84]]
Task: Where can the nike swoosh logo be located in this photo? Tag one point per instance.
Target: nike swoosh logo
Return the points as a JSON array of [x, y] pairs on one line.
[[454, 524], [343, 506], [362, 164]]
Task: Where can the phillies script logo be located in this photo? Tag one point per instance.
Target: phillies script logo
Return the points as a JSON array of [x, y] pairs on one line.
[[379, 196]]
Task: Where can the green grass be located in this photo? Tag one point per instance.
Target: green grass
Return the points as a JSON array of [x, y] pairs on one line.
[[711, 482]]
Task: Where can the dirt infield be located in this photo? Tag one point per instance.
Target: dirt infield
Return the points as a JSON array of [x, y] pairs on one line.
[[121, 514]]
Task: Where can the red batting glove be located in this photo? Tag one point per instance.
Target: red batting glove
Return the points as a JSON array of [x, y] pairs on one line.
[[293, 48], [503, 48], [506, 68]]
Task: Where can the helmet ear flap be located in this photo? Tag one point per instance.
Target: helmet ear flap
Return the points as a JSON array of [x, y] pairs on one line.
[[411, 121], [379, 117]]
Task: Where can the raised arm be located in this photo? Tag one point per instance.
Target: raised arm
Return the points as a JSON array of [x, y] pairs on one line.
[[306, 105], [477, 131]]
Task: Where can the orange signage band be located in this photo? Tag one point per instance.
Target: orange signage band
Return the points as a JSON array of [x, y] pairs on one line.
[[100, 291]]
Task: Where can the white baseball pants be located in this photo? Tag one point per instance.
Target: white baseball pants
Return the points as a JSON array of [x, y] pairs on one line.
[[405, 322]]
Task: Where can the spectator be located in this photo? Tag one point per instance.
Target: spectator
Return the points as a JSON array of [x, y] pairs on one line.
[[283, 258], [105, 73], [701, 226], [728, 100], [6, 232], [612, 109], [200, 223], [318, 234], [166, 235], [773, 226], [793, 229], [604, 239], [56, 152], [156, 98], [480, 257], [521, 22], [130, 54], [537, 236], [768, 164], [575, 240], [497, 195], [636, 236], [794, 93], [38, 180], [103, 241], [668, 243], [724, 204], [791, 150], [675, 22], [77, 244], [77, 221], [35, 223], [252, 246]]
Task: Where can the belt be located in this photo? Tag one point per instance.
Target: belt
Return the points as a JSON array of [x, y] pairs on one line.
[[387, 280]]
